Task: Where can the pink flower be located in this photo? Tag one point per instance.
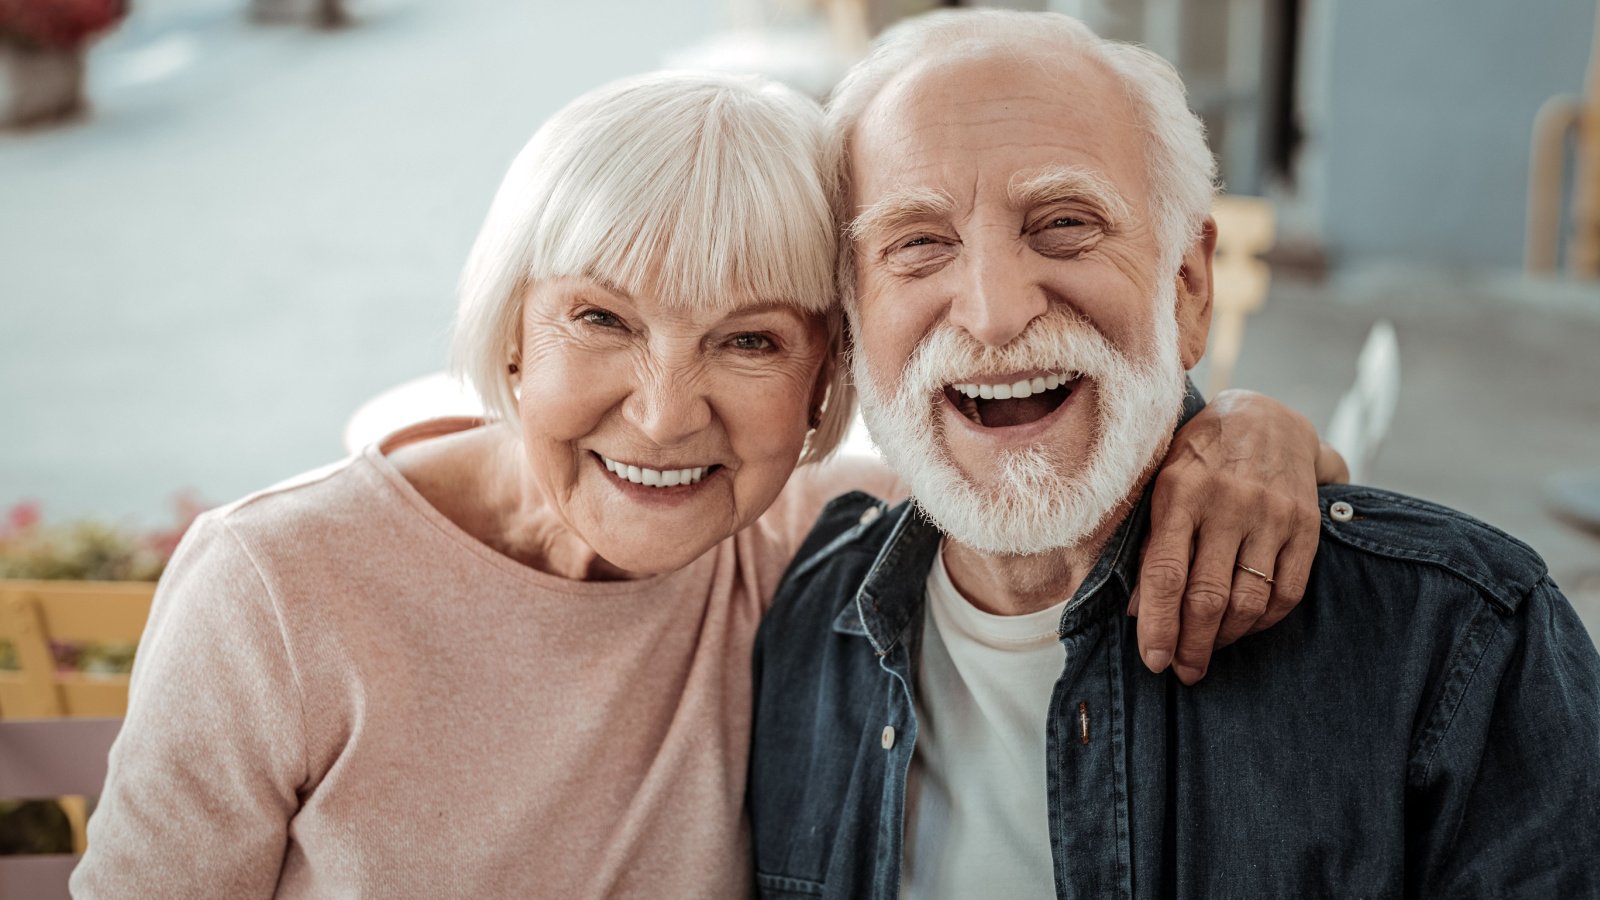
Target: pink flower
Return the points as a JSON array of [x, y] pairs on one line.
[[23, 516], [188, 507]]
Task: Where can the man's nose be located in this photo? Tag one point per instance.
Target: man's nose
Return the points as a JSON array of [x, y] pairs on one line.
[[668, 407], [999, 299]]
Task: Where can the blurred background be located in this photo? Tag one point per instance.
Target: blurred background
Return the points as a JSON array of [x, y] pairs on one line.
[[225, 225]]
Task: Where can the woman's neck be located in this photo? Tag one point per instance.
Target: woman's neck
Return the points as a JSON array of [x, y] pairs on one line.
[[479, 479]]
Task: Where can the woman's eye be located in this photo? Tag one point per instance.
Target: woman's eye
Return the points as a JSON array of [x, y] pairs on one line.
[[1066, 222], [600, 318], [752, 341], [918, 241]]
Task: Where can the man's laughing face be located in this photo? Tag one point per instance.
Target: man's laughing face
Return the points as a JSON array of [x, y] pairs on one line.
[[1020, 339]]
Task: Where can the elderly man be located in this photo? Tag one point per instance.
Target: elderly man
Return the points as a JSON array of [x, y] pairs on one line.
[[950, 700]]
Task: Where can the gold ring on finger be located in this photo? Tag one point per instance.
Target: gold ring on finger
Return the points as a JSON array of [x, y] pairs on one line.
[[1264, 576]]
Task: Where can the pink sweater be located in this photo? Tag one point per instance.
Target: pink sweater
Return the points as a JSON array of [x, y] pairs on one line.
[[342, 694]]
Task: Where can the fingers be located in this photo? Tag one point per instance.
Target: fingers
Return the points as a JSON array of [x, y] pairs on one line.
[[1292, 573], [1204, 602], [1331, 467], [1252, 594], [1163, 573]]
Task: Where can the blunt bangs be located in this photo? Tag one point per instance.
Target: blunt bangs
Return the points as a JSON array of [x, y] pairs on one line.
[[710, 199]]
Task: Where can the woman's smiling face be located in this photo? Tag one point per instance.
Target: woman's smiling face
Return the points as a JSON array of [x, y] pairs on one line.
[[653, 432]]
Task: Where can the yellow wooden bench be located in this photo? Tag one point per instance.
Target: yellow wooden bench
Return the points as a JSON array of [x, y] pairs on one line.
[[35, 613]]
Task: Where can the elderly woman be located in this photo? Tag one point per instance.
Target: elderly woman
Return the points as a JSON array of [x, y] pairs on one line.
[[514, 659]]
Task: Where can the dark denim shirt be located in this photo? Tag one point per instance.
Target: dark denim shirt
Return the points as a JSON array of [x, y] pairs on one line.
[[1425, 723]]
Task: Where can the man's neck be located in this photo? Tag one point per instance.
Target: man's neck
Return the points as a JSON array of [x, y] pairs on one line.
[[1014, 585]]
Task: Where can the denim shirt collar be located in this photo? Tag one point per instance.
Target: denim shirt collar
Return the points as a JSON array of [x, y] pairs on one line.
[[891, 596]]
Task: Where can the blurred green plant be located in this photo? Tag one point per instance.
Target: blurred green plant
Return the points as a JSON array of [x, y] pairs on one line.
[[88, 550], [34, 826]]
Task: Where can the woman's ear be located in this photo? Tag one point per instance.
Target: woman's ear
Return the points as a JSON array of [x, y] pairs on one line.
[[1195, 295]]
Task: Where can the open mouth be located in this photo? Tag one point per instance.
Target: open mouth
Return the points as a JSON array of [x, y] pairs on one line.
[[656, 478], [1014, 402]]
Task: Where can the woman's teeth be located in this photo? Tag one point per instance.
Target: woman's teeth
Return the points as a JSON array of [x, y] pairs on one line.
[[1016, 390], [654, 477]]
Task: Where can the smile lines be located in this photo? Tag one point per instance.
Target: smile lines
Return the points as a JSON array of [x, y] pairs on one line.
[[654, 477]]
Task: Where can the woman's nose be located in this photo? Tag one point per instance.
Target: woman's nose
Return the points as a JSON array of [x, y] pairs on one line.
[[668, 407]]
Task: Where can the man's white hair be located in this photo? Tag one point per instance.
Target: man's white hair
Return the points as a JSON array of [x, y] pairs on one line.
[[1182, 170], [710, 190]]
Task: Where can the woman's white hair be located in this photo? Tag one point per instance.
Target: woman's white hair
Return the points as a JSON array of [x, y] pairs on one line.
[[1181, 168], [709, 190]]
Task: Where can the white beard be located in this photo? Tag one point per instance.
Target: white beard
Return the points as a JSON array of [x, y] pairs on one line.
[[1029, 505]]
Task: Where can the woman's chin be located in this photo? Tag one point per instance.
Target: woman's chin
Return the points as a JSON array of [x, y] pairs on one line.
[[642, 559]]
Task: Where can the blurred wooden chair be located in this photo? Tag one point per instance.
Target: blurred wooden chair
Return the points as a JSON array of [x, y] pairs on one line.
[[1562, 119], [33, 614], [49, 758], [1246, 228]]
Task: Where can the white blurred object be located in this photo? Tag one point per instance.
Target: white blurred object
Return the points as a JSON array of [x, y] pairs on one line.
[[439, 396], [806, 44], [1361, 420], [804, 58], [156, 61], [858, 442]]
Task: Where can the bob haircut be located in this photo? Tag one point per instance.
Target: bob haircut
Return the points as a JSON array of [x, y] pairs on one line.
[[1179, 163], [710, 190]]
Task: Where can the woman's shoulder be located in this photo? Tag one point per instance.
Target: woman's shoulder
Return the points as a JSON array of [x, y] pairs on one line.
[[329, 499], [331, 517]]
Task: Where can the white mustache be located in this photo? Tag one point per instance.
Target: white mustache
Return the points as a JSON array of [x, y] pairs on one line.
[[1055, 342]]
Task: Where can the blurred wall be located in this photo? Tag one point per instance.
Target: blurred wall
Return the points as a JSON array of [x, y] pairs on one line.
[[1421, 121]]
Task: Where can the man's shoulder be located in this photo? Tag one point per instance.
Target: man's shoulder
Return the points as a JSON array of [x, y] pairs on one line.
[[847, 539], [1372, 529]]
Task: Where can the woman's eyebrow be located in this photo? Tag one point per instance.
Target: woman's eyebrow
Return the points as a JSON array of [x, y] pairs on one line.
[[761, 307], [1070, 184], [900, 207]]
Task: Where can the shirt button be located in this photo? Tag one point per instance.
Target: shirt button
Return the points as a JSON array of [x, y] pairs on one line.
[[1341, 512], [888, 737], [870, 515]]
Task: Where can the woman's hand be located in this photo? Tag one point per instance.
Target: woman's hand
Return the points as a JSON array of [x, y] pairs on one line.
[[1238, 488]]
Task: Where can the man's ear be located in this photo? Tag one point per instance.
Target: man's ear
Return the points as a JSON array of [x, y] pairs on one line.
[[1194, 295]]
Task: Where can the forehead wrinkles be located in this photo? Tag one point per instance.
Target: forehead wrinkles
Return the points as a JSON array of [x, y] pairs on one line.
[[990, 100]]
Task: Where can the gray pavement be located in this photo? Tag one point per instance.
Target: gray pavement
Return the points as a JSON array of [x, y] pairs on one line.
[[261, 228]]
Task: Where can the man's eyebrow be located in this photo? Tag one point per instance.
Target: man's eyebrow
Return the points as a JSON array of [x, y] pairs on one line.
[[1074, 184], [900, 207]]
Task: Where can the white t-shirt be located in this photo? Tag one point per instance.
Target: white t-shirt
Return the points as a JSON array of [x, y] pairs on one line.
[[976, 817]]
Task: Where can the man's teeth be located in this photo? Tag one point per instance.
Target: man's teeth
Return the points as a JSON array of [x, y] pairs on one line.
[[654, 477], [1016, 390]]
